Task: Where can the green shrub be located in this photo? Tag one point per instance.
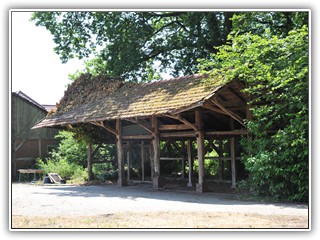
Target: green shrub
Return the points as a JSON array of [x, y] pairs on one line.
[[104, 171], [65, 170]]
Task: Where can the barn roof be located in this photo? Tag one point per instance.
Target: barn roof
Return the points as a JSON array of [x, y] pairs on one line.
[[29, 99], [132, 100]]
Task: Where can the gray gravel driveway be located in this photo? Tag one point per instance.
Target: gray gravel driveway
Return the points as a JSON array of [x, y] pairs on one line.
[[70, 200]]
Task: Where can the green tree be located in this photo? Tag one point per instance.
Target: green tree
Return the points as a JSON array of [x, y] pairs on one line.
[[276, 73], [141, 45], [133, 44], [72, 150]]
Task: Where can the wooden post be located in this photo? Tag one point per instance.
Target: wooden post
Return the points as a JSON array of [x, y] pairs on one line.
[[142, 161], [183, 159], [200, 147], [121, 175], [221, 162], [183, 166], [157, 183], [151, 161], [189, 152], [128, 163], [40, 152], [233, 157], [89, 162]]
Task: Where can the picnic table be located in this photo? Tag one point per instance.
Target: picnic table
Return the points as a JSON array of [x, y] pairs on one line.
[[28, 171]]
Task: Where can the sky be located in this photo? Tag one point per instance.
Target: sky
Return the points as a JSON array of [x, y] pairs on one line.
[[36, 69]]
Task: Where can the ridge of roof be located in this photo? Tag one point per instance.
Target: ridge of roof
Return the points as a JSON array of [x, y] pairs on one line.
[[29, 99]]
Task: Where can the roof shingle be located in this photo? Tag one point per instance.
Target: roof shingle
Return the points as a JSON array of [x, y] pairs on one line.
[[141, 100]]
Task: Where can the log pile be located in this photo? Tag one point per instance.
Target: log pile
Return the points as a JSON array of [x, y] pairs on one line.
[[86, 89]]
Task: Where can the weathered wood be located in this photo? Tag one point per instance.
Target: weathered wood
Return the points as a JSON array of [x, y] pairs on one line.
[[121, 174], [20, 145], [174, 143], [89, 162], [139, 123], [181, 119], [142, 160], [214, 109], [40, 145], [227, 133], [183, 167], [170, 158], [200, 141], [200, 149], [222, 158], [233, 157], [151, 161], [188, 134], [230, 113], [178, 134], [105, 126], [137, 137], [189, 154], [128, 164], [157, 183], [237, 95], [221, 163], [165, 127]]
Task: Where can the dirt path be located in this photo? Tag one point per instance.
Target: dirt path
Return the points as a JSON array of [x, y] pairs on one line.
[[65, 201]]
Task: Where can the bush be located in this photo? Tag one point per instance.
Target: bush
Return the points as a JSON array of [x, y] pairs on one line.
[[104, 171], [63, 168]]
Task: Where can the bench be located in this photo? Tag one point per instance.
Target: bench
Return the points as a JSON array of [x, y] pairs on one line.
[[28, 171]]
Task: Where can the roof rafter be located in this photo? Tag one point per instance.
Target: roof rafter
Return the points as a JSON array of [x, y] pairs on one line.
[[105, 126], [139, 123], [181, 119], [228, 112]]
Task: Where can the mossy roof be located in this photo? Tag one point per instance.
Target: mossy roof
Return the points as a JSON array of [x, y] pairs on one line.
[[134, 100]]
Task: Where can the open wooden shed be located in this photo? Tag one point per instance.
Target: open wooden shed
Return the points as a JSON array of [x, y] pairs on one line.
[[202, 109]]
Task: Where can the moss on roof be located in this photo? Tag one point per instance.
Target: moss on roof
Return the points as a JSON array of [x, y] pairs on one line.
[[116, 99]]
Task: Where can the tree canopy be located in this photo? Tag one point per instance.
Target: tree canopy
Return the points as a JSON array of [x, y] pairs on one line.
[[142, 45], [276, 71]]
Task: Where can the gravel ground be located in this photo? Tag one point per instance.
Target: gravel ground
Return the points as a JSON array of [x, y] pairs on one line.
[[69, 200]]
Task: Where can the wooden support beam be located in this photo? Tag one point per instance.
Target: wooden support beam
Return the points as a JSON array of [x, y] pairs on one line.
[[157, 183], [178, 134], [181, 119], [189, 154], [200, 148], [20, 145], [105, 126], [237, 95], [170, 158], [121, 174], [177, 147], [151, 155], [233, 157], [214, 109], [128, 164], [183, 166], [210, 146], [89, 162], [142, 160], [227, 133], [221, 163], [230, 113], [139, 123], [166, 127], [137, 137]]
